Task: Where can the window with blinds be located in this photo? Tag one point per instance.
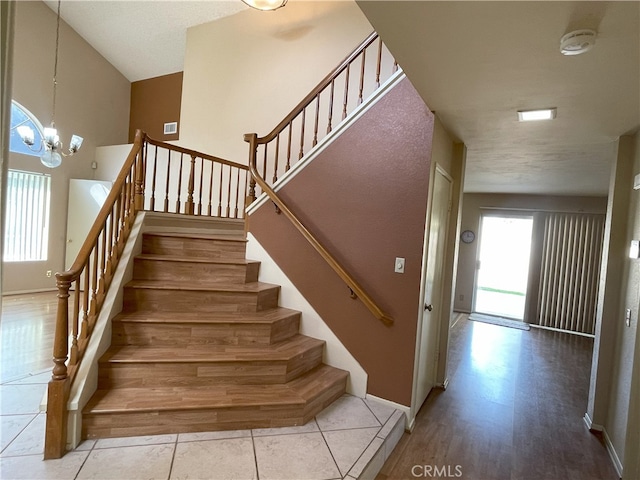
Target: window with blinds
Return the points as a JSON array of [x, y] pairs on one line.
[[26, 229]]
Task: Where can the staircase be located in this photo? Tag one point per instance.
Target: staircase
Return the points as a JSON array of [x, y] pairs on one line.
[[201, 345]]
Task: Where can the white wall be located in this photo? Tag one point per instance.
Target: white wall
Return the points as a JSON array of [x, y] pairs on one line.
[[246, 72]]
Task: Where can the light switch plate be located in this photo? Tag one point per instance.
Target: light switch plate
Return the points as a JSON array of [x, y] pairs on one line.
[[627, 317], [399, 265], [634, 249], [636, 182]]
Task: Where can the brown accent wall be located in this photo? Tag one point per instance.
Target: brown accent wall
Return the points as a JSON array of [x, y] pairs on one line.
[[365, 198], [154, 102]]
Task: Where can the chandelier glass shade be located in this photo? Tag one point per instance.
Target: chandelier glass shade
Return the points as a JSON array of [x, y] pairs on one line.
[[265, 5]]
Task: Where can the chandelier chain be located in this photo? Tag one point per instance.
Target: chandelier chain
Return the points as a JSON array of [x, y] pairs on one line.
[[55, 67]]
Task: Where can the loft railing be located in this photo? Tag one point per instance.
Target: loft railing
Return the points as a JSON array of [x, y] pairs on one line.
[[156, 176], [311, 120]]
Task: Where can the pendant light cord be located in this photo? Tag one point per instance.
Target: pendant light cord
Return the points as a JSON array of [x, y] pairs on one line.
[[55, 68]]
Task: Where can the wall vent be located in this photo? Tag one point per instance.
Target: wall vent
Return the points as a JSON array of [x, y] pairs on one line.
[[170, 128]]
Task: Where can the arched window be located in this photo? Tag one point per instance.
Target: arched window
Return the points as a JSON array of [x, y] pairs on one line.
[[21, 116]]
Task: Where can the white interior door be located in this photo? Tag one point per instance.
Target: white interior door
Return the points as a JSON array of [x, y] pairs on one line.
[[86, 198], [429, 327]]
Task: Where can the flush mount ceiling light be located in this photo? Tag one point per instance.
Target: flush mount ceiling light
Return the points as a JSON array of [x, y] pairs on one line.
[[534, 115], [265, 5], [577, 42]]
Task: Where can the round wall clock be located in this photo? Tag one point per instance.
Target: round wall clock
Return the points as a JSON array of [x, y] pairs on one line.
[[467, 236]]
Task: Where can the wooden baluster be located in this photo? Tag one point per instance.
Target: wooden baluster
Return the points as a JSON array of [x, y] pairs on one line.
[[178, 206], [220, 192], [275, 166], [166, 190], [111, 243], [200, 192], [152, 207], [118, 232], [333, 86], [244, 189], [360, 92], [85, 298], [190, 188], [75, 324], [210, 188], [304, 115], [288, 165], [229, 190], [379, 64], [264, 162], [94, 284], [346, 92], [235, 212], [315, 126]]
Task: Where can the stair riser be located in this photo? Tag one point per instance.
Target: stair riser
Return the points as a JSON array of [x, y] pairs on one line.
[[145, 269], [193, 247], [181, 335], [190, 421], [150, 299], [117, 424], [203, 374]]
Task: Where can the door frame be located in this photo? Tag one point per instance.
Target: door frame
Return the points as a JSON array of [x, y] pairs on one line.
[[425, 257], [494, 212]]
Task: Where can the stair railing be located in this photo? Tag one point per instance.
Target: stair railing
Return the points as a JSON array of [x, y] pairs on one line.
[[336, 88], [187, 183]]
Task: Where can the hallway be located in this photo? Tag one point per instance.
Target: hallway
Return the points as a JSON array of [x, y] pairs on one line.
[[513, 410]]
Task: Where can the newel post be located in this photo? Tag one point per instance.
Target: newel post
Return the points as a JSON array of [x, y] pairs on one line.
[[252, 139], [138, 201], [58, 388]]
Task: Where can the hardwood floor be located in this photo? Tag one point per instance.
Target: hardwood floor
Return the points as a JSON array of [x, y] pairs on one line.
[[26, 333], [513, 410]]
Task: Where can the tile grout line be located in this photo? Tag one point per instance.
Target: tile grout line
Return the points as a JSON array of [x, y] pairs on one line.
[[255, 455], [329, 448], [173, 456], [19, 433], [85, 459]]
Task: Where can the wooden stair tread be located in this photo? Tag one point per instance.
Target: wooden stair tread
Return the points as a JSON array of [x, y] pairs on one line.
[[252, 287], [264, 316], [200, 236], [296, 345], [176, 258], [132, 400]]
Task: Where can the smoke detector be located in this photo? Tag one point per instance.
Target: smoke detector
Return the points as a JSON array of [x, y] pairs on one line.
[[577, 42]]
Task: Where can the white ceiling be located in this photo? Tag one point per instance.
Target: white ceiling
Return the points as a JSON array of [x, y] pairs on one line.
[[142, 39], [475, 63]]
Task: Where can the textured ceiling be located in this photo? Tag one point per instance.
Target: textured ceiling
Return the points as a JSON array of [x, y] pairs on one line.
[[475, 63], [142, 39]]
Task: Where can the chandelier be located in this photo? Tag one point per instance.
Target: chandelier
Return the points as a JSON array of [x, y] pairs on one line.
[[265, 5], [51, 146]]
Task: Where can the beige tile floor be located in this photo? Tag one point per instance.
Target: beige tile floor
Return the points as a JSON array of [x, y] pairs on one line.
[[351, 439]]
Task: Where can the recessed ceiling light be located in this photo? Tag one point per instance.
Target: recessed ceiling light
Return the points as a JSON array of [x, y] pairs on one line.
[[540, 114]]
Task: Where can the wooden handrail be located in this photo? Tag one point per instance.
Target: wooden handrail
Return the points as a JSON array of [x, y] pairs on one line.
[[351, 282], [324, 83], [194, 153]]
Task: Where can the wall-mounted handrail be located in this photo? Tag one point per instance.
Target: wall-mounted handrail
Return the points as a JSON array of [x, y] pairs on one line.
[[351, 282], [152, 168]]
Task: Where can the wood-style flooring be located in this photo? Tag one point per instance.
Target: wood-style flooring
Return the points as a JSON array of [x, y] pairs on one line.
[[513, 410], [26, 334]]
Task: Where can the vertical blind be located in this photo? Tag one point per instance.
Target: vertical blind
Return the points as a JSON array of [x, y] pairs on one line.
[[571, 254], [26, 229]]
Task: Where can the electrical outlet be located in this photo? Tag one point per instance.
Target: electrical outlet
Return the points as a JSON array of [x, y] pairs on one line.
[[48, 273], [627, 317], [399, 265]]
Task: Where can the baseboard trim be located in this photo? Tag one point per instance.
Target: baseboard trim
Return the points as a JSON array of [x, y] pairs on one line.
[[23, 292], [593, 427], [443, 385], [617, 464], [409, 423]]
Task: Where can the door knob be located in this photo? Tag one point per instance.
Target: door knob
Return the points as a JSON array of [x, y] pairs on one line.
[[428, 307]]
